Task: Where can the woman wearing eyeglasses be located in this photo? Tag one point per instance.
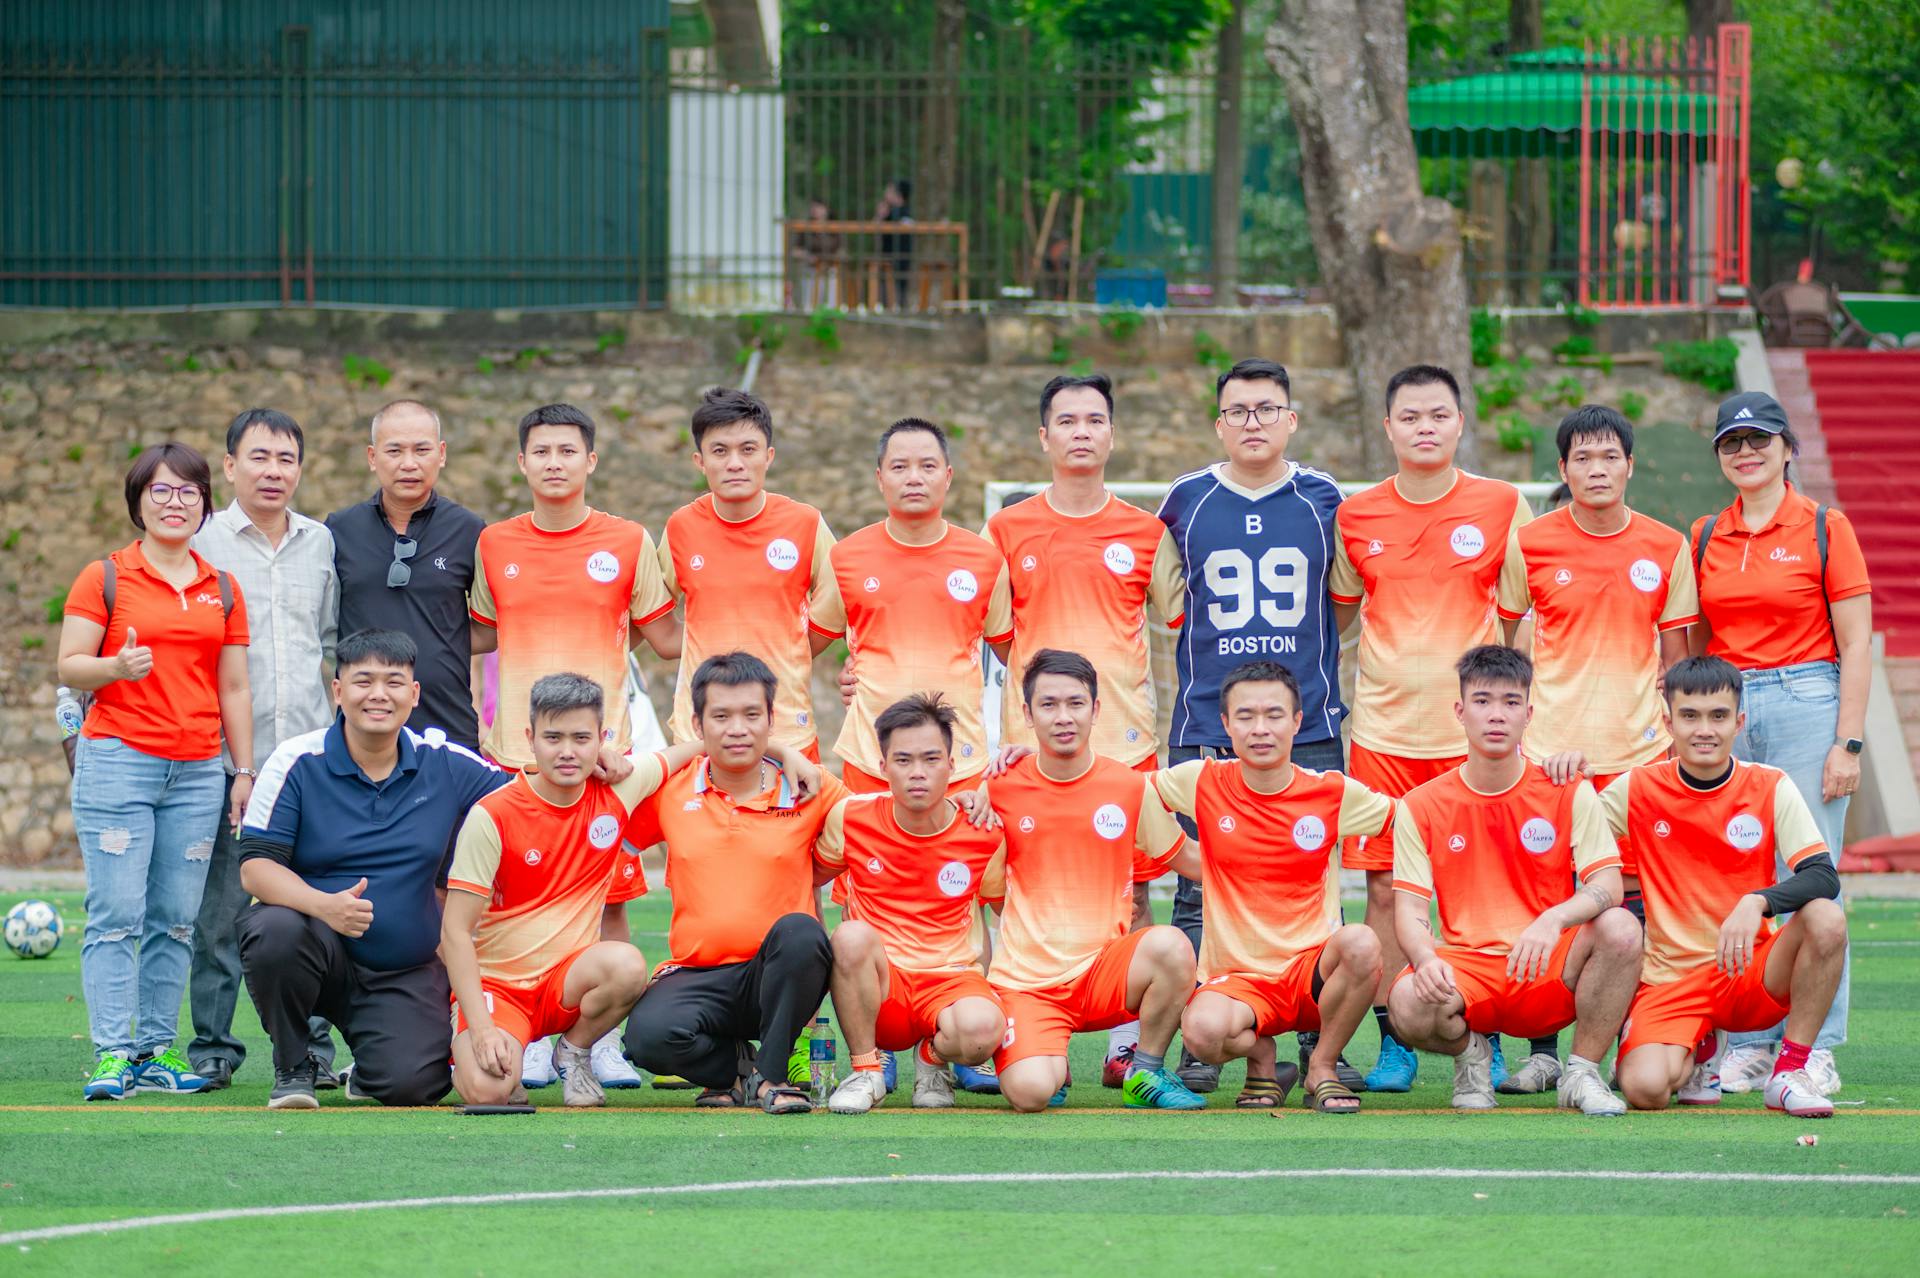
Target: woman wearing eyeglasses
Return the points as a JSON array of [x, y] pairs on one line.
[[1784, 596], [159, 637]]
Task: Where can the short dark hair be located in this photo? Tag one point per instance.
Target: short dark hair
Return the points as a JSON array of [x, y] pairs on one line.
[[904, 425], [274, 420], [1422, 375], [556, 694], [1259, 672], [912, 712], [1702, 677], [1493, 663], [1057, 661], [557, 415], [1067, 381], [723, 406], [731, 670], [1253, 370], [363, 647], [1595, 422], [183, 460]]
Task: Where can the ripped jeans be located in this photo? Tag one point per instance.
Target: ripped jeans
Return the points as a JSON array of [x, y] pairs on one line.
[[146, 828]]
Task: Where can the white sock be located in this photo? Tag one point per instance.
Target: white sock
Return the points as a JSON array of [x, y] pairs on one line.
[[1581, 1062], [1121, 1037]]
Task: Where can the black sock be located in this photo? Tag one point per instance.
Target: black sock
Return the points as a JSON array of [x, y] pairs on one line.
[[1549, 1046], [1386, 1026]]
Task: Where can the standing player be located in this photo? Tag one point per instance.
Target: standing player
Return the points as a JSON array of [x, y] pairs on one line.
[[750, 567], [1274, 956], [906, 972], [1255, 535], [1425, 551], [1497, 844]]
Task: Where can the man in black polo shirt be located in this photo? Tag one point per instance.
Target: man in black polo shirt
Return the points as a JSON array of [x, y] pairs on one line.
[[405, 560]]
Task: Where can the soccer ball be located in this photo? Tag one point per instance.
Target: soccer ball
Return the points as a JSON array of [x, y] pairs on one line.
[[33, 929]]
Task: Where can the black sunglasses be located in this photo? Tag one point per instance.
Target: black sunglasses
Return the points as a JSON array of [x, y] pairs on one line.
[[398, 574]]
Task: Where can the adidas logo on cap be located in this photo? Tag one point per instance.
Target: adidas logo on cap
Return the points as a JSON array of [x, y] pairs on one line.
[[1744, 414]]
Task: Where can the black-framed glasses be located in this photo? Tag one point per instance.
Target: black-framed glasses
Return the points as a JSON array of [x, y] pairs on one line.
[[1265, 414], [1730, 445], [189, 494], [398, 574]]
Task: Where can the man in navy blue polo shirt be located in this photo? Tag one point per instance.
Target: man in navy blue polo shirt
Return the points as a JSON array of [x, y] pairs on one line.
[[345, 847]]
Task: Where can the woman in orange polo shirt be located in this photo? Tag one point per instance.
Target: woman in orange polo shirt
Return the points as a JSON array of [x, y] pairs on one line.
[[1799, 629], [167, 666]]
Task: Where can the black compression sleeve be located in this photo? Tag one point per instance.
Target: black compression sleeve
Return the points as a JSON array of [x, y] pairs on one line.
[[1814, 880], [252, 846]]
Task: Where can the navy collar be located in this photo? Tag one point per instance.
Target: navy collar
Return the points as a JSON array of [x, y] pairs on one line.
[[341, 763]]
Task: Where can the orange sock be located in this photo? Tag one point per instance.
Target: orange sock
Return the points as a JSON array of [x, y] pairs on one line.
[[867, 1060], [928, 1055]]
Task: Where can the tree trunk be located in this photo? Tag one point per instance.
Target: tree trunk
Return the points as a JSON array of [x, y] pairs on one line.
[[1703, 26], [1390, 256], [1523, 26], [940, 119], [1229, 157]]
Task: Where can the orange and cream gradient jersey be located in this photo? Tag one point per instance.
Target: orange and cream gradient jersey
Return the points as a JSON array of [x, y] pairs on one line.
[[1082, 583], [1598, 605], [545, 869], [1429, 572], [1270, 888], [563, 602], [750, 586], [917, 891], [1495, 861], [1074, 851], [914, 618], [1697, 852]]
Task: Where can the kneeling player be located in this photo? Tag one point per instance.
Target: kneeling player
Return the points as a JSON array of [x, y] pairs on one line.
[[1704, 831], [1273, 955], [1497, 844], [907, 972]]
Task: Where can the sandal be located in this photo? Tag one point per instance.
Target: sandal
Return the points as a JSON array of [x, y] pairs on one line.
[[1331, 1096], [720, 1097], [780, 1097], [1261, 1093]]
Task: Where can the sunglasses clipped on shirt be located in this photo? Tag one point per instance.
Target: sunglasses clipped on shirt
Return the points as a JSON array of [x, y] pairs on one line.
[[398, 573]]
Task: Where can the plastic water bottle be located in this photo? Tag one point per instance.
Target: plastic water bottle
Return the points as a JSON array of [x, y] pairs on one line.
[[67, 711], [820, 1052]]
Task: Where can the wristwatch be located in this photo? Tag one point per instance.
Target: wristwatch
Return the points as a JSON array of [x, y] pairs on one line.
[[249, 772], [1852, 745]]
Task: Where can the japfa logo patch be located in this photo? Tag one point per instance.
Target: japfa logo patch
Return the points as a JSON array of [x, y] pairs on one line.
[[954, 878], [963, 585], [604, 830], [1118, 557], [603, 566], [1109, 822], [1645, 576], [1467, 541], [1309, 833], [1744, 832], [1537, 835], [783, 555]]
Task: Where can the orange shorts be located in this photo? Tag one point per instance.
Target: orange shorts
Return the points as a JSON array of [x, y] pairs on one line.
[[528, 1014], [1392, 775], [629, 883], [1681, 1013], [1280, 1003], [915, 1000], [1499, 1004], [1042, 1022]]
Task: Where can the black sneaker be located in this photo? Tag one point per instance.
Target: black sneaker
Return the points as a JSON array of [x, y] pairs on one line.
[[293, 1088], [218, 1071], [1350, 1078], [324, 1079], [1199, 1076]]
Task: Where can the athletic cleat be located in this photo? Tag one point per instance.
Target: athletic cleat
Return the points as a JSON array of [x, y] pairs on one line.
[[932, 1085], [351, 1090], [324, 1079], [168, 1071], [1824, 1073], [1473, 1075], [111, 1079], [1396, 1068], [1702, 1086], [1536, 1074], [673, 1083], [1158, 1089], [1114, 1072], [1059, 1098], [864, 1089], [980, 1080], [293, 1088], [536, 1065], [1498, 1067], [1199, 1076], [1745, 1067], [890, 1071], [610, 1063], [800, 1064], [1581, 1088], [1349, 1077], [1792, 1093], [579, 1089]]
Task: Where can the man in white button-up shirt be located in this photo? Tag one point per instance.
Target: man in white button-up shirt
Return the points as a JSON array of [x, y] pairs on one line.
[[284, 564]]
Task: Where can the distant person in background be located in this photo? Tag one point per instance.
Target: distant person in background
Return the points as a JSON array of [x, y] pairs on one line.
[[896, 251], [818, 255]]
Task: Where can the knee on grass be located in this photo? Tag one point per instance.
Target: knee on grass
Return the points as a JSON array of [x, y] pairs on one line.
[[1027, 1097]]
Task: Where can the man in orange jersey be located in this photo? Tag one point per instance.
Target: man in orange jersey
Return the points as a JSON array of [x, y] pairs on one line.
[[747, 960], [1081, 829], [749, 566], [1424, 549], [906, 970], [1274, 955], [1496, 843], [1612, 596], [1702, 831]]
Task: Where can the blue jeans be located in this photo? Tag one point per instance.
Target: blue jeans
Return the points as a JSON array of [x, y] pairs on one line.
[[1321, 756], [1792, 713], [146, 828]]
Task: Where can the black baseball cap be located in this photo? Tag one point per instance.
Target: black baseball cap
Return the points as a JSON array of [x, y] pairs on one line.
[[1750, 410]]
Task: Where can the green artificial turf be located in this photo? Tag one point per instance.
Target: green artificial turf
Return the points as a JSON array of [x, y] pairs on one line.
[[62, 1162]]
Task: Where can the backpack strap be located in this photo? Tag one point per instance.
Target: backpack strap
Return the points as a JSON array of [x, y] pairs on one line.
[[1820, 543], [109, 581], [1706, 535], [226, 584]]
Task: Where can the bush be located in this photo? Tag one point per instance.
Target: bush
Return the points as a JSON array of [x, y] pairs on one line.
[[1484, 336], [1708, 363], [1515, 433], [364, 370], [1504, 385], [1633, 405]]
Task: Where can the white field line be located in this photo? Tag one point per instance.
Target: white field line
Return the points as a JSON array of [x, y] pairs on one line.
[[93, 1228]]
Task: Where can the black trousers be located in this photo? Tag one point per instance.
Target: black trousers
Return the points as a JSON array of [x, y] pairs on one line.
[[396, 1023], [696, 1021]]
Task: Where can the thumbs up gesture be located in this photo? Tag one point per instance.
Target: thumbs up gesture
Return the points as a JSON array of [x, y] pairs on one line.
[[348, 913], [133, 661]]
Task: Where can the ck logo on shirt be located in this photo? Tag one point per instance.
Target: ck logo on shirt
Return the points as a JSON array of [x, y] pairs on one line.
[[954, 878], [1645, 576], [1662, 829], [872, 584], [604, 830], [440, 562], [1309, 834], [1745, 832], [783, 555], [1457, 843], [533, 856], [1467, 541], [1537, 836], [1109, 822], [1118, 557], [603, 566], [962, 585]]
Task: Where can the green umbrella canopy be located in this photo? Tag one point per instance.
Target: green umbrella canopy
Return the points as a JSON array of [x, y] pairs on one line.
[[1532, 101]]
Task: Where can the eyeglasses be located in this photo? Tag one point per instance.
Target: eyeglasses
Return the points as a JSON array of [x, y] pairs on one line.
[[1730, 445], [188, 494], [1265, 414], [398, 574]]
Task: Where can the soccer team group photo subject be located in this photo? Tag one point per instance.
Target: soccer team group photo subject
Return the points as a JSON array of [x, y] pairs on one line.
[[378, 773]]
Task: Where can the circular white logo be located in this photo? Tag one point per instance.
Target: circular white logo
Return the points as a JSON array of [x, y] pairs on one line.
[[1118, 557], [697, 562], [871, 584], [873, 865], [1745, 832], [783, 554], [1538, 835], [1109, 822], [1133, 735], [1651, 734], [1029, 563], [962, 585], [1226, 825], [1309, 834], [603, 566], [966, 749], [1026, 825], [1467, 541], [513, 570], [1457, 843], [626, 871], [1662, 829], [1563, 576], [603, 831], [533, 856], [954, 878], [1374, 548], [801, 718], [1645, 575]]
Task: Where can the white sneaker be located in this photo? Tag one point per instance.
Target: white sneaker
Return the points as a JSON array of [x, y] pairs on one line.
[[578, 1087], [1793, 1093], [1703, 1084], [1824, 1073], [610, 1064], [1473, 1075], [1536, 1074], [864, 1089], [536, 1064], [932, 1085], [1581, 1088], [1745, 1067]]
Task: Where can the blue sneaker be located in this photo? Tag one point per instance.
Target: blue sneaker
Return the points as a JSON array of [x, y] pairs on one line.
[[1499, 1062], [1059, 1098], [979, 1079], [166, 1072], [890, 1070], [112, 1078], [1158, 1089], [1396, 1069]]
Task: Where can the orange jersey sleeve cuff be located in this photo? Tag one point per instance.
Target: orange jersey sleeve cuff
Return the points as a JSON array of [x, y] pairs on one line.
[[1505, 615], [1793, 862], [1174, 623], [1344, 599], [1161, 862], [1413, 889], [488, 622], [655, 615], [1604, 863], [1865, 589], [1678, 622], [466, 886], [824, 632], [998, 639]]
